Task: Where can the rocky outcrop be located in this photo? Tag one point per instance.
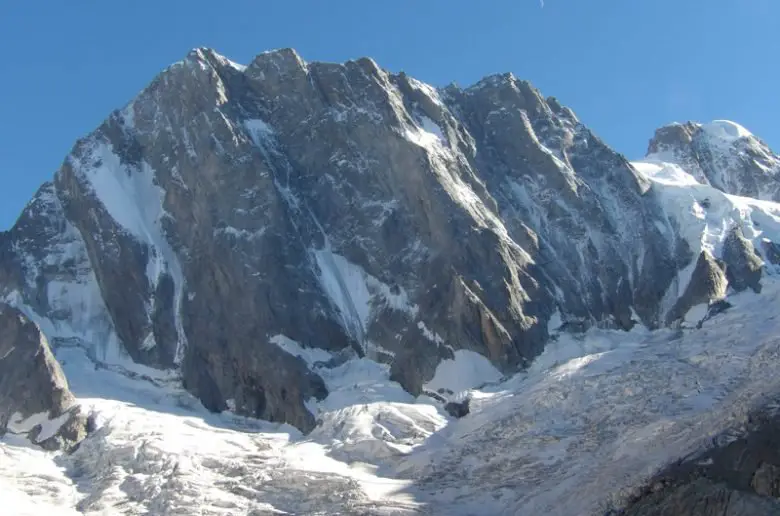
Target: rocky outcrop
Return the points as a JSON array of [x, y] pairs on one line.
[[739, 478], [34, 396], [675, 143], [458, 409], [707, 284], [703, 497], [743, 265]]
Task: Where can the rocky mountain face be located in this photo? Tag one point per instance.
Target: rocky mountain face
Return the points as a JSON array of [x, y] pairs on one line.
[[231, 219]]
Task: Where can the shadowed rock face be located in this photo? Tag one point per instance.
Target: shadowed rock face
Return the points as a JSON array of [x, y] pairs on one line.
[[34, 396], [342, 207], [771, 251], [740, 478], [703, 497], [743, 265]]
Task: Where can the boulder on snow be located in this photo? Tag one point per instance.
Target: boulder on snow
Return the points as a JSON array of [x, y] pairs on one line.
[[34, 398], [458, 409]]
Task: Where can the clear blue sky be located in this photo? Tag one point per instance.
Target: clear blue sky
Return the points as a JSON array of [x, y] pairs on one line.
[[624, 66]]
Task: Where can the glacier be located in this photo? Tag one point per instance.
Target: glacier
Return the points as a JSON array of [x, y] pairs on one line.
[[593, 417]]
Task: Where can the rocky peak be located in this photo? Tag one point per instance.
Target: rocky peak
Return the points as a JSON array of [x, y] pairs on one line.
[[283, 60], [672, 137]]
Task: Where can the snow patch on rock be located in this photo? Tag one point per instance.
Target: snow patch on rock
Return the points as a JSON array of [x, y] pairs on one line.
[[310, 355], [258, 130], [357, 294], [429, 334], [49, 426]]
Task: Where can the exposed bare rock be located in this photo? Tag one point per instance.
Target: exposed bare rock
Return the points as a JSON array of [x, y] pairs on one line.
[[743, 265], [739, 478], [707, 284], [34, 398]]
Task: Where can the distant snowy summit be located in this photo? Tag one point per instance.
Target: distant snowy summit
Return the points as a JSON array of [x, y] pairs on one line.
[[722, 154]]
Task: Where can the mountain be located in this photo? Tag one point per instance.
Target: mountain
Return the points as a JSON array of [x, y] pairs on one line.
[[293, 241], [227, 212]]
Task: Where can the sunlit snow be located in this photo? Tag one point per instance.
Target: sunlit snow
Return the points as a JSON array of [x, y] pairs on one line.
[[465, 371], [592, 417], [310, 355], [357, 294], [726, 130], [49, 426], [703, 215]]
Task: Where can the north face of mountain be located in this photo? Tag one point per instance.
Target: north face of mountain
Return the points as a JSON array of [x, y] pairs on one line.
[[232, 222]]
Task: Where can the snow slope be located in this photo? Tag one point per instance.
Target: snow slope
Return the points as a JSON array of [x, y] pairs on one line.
[[703, 215], [356, 294], [726, 130], [594, 416], [597, 414]]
